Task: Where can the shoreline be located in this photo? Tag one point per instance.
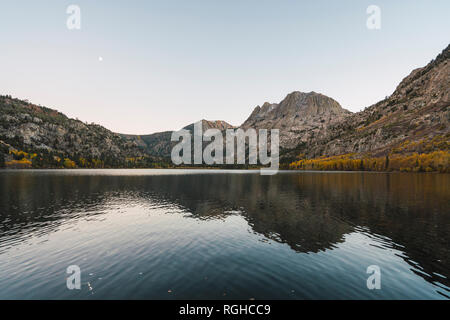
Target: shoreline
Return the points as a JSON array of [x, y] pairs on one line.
[[221, 169]]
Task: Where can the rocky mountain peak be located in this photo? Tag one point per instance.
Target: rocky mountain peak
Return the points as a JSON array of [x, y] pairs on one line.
[[416, 115], [211, 124], [429, 84], [216, 124], [309, 104], [297, 116]]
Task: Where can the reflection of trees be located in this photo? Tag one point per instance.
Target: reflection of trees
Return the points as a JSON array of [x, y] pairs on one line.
[[308, 211], [410, 209]]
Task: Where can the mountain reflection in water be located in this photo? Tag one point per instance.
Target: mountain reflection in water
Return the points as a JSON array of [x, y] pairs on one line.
[[251, 235]]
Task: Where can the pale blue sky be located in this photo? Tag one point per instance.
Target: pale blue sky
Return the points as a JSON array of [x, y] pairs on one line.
[[169, 63]]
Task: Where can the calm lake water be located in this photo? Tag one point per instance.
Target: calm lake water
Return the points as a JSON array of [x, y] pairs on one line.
[[212, 234]]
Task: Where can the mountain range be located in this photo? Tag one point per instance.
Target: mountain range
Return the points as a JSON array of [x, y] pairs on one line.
[[315, 131]]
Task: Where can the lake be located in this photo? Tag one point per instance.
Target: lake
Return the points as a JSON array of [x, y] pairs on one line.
[[218, 234]]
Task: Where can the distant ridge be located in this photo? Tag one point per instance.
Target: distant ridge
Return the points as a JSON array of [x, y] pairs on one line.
[[159, 144]]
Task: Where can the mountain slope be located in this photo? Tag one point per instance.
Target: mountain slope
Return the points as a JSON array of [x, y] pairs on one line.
[[412, 126], [159, 144], [419, 109], [39, 135]]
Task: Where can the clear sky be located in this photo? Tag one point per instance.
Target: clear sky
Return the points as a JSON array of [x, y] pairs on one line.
[[146, 66]]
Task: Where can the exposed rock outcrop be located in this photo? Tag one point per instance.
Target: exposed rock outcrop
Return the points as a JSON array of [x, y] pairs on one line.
[[299, 117], [418, 110]]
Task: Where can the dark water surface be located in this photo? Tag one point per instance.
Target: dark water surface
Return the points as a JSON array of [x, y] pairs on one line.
[[211, 234]]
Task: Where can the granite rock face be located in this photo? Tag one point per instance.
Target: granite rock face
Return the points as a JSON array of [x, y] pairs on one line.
[[313, 125], [418, 110], [24, 125], [299, 117]]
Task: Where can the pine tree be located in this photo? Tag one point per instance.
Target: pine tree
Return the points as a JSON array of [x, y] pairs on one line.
[[2, 160]]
